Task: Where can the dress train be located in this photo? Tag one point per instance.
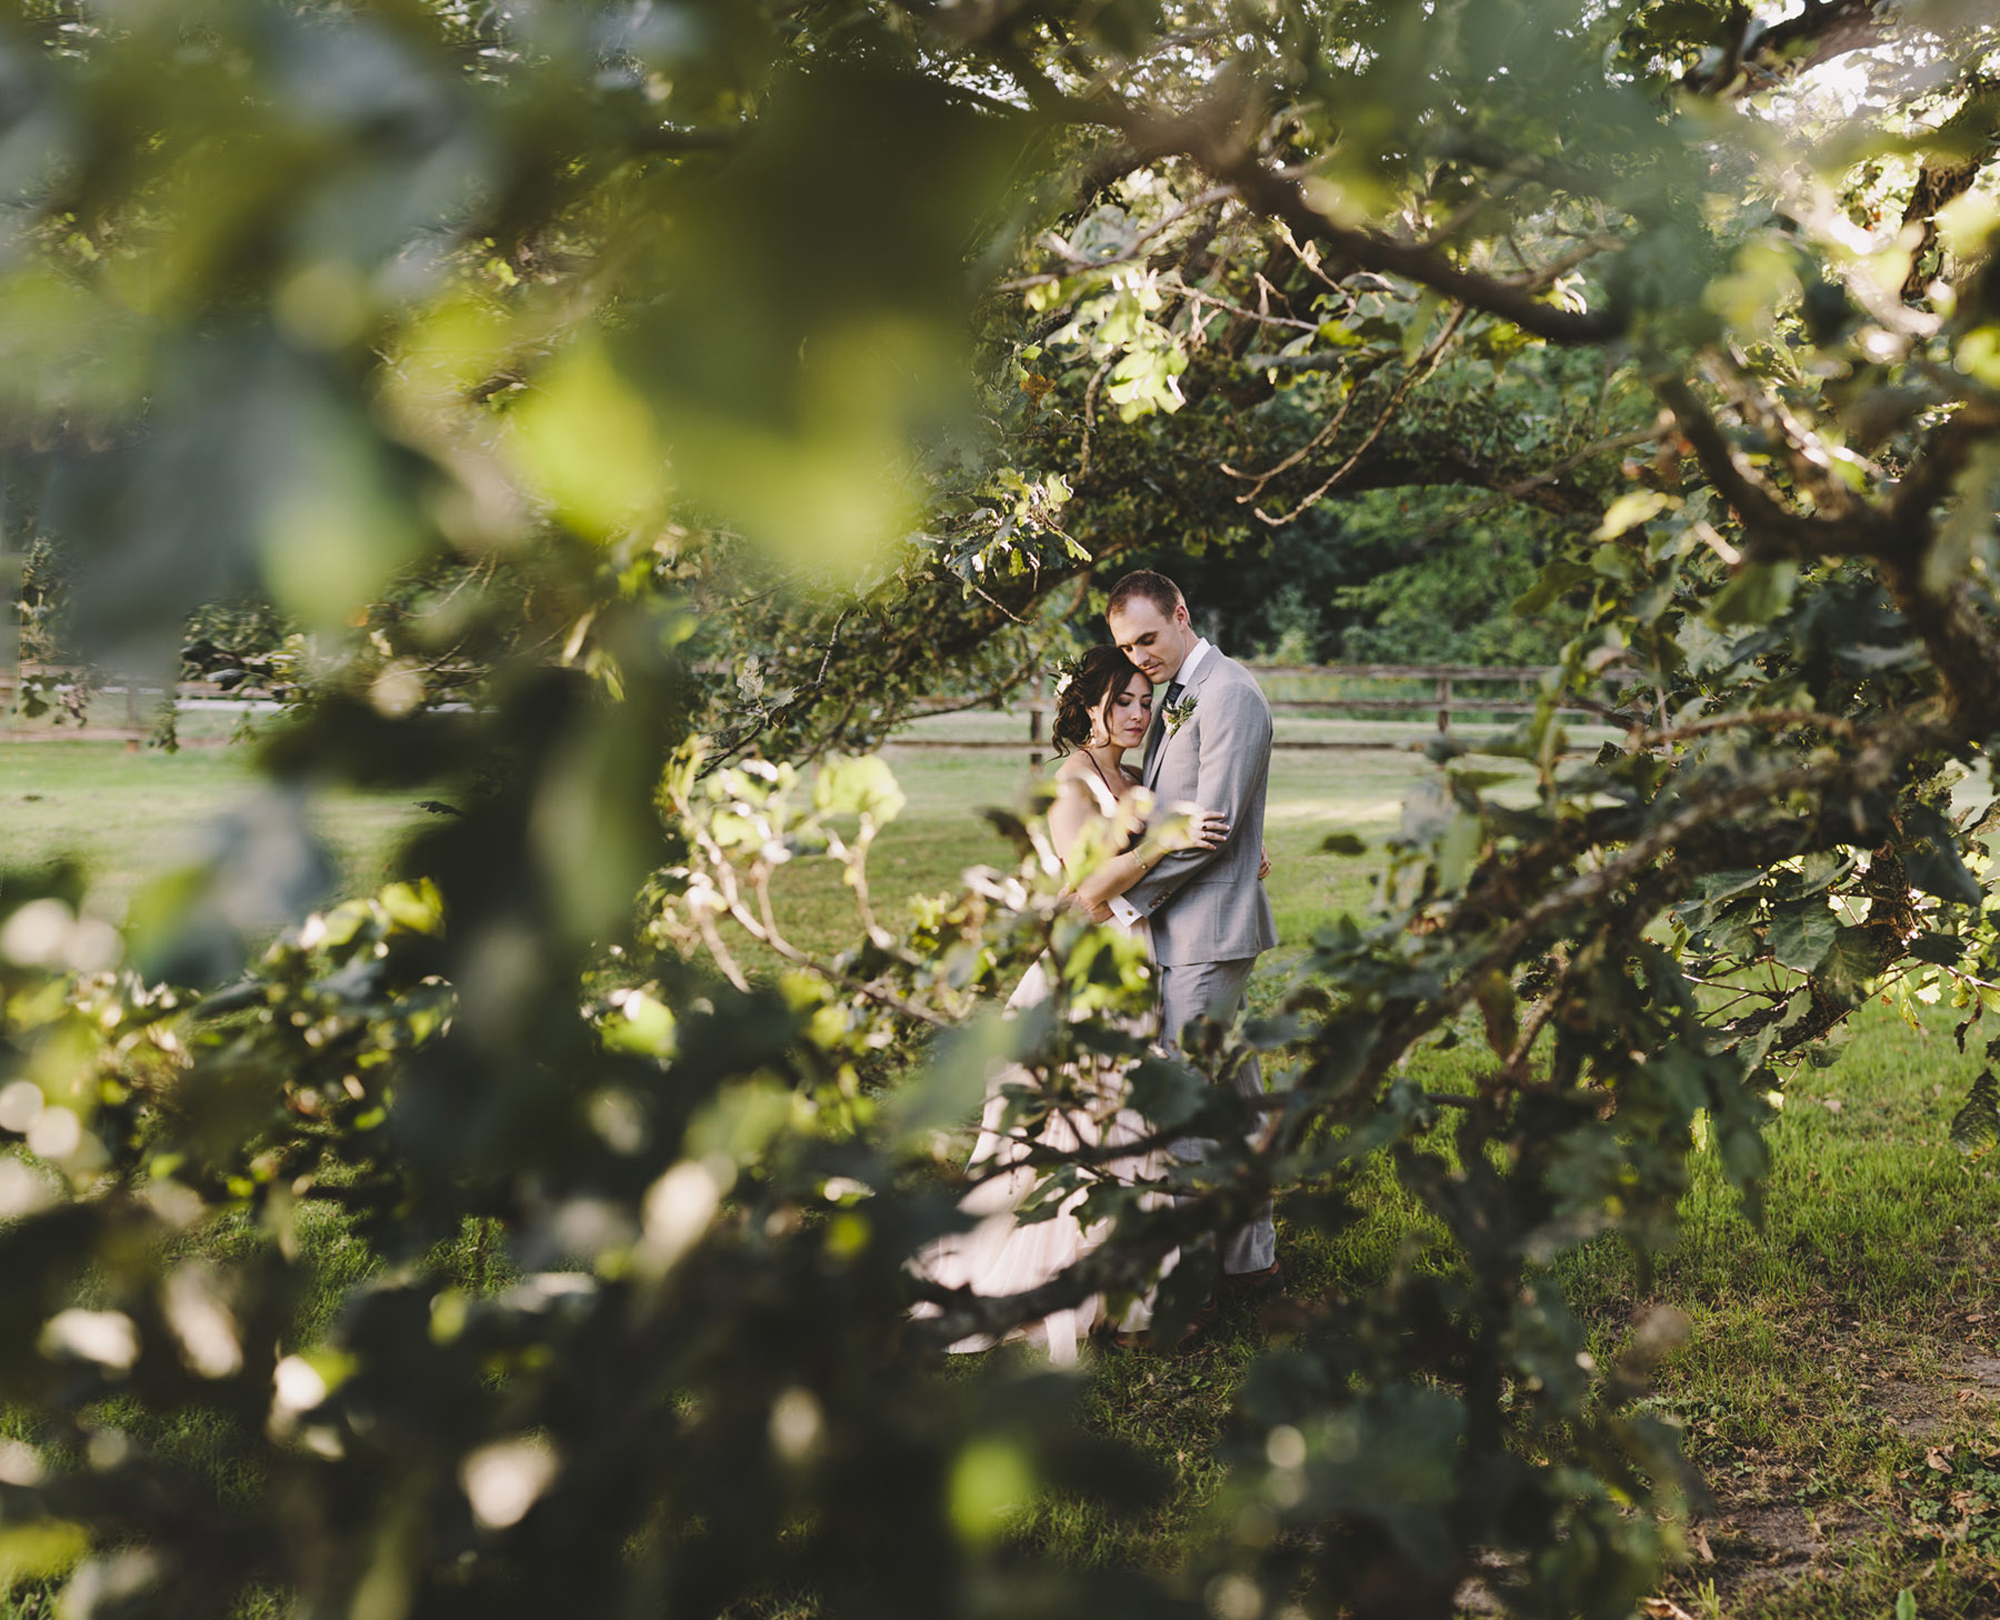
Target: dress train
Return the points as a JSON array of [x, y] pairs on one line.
[[1003, 1255]]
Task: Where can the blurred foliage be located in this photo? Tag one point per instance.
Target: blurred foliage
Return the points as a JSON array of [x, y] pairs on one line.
[[561, 358]]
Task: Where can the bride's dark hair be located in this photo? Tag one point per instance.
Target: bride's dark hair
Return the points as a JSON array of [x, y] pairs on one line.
[[1100, 673]]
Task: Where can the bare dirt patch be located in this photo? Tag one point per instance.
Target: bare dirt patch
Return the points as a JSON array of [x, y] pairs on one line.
[[1761, 1536], [1750, 1546], [1969, 1390]]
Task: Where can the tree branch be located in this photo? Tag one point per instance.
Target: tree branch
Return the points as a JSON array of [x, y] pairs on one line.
[[1522, 488], [1757, 60], [1421, 370], [1773, 528], [1211, 137]]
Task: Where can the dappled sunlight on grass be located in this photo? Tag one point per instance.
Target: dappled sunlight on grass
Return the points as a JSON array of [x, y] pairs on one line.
[[1337, 813]]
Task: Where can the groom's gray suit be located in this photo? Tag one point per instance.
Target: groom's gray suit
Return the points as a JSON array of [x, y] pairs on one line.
[[1210, 916]]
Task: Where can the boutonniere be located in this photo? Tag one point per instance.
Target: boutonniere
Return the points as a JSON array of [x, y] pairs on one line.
[[1178, 714]]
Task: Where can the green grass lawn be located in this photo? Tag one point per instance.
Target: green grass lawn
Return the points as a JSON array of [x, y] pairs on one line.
[[1838, 1389], [132, 817]]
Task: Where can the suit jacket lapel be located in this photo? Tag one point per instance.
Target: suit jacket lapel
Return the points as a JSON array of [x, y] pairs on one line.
[[1158, 737]]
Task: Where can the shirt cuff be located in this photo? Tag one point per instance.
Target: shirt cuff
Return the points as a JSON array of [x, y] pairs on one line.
[[1127, 913]]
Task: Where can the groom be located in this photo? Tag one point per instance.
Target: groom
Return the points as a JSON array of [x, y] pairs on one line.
[[1210, 744]]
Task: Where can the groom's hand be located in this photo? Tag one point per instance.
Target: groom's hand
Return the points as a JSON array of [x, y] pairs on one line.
[[1098, 912]]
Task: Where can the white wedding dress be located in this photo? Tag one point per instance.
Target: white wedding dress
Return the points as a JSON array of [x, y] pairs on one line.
[[1003, 1255]]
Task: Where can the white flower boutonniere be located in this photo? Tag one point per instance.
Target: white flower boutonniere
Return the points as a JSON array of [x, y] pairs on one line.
[[1178, 714]]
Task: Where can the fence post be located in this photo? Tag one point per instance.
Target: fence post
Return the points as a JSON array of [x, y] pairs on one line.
[[1444, 703], [13, 573], [132, 713], [1035, 721]]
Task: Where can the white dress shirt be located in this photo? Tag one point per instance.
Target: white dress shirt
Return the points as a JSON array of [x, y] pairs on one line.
[[1188, 664]]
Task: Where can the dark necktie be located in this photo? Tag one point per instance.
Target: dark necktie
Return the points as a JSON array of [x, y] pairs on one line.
[[1157, 735]]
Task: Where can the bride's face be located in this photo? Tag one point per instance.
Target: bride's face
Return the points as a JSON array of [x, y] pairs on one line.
[[1127, 713]]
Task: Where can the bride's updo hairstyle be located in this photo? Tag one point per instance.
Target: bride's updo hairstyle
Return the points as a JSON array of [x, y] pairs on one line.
[[1101, 673]]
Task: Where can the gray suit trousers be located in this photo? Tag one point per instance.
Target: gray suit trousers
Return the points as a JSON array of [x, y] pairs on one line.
[[1216, 988]]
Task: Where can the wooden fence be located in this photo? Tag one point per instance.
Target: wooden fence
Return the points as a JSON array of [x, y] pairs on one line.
[[132, 698], [1444, 680], [1447, 695], [1448, 690]]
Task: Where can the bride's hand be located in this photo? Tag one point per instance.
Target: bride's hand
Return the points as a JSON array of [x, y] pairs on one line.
[[1207, 829], [1191, 828]]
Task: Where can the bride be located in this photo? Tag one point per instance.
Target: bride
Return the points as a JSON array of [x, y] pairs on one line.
[[1103, 710]]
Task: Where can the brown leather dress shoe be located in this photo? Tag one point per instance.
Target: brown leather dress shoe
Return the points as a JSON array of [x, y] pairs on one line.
[[1255, 1284]]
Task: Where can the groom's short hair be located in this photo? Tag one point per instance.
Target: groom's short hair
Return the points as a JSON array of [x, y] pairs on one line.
[[1162, 592]]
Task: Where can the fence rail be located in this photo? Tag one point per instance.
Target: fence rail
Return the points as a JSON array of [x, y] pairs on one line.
[[188, 696], [1446, 698]]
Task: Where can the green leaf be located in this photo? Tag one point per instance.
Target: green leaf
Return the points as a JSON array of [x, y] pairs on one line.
[[1734, 933], [1943, 949], [1721, 885], [643, 1025], [1975, 1128], [860, 786], [1931, 858], [1801, 933], [1967, 532], [1561, 576], [1500, 1012], [1757, 595], [1852, 961], [1167, 1093], [1629, 511], [1419, 325], [1739, 1114], [1817, 872], [589, 442], [992, 1484], [1459, 849], [951, 1088]]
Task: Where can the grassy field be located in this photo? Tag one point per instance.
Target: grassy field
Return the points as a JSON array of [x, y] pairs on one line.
[[133, 817], [1839, 1387]]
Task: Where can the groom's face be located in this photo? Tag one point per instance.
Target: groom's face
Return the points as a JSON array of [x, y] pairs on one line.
[[1157, 642]]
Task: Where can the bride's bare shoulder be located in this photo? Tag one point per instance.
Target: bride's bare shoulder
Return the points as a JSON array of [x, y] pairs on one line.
[[1080, 796], [1073, 775]]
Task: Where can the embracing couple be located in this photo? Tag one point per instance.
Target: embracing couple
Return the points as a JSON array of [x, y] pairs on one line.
[[1190, 879]]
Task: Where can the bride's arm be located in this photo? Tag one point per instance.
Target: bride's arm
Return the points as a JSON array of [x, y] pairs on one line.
[[1071, 816]]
